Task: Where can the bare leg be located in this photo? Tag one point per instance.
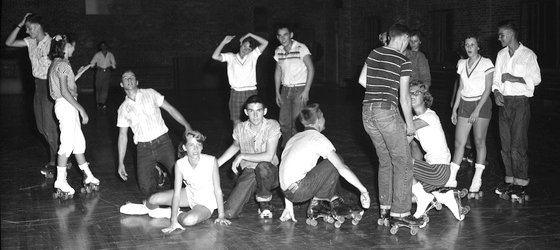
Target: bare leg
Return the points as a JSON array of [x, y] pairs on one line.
[[164, 199], [461, 133], [198, 213]]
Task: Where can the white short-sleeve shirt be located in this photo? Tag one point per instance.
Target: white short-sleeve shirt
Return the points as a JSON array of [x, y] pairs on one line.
[[474, 77], [199, 181], [143, 115], [432, 139], [301, 154], [39, 56], [242, 71]]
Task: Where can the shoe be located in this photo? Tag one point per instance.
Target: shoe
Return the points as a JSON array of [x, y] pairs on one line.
[[519, 194], [503, 188], [160, 212], [338, 207], [162, 177], [134, 209], [265, 210]]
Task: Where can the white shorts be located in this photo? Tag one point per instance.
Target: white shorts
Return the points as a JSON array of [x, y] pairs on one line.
[[71, 137]]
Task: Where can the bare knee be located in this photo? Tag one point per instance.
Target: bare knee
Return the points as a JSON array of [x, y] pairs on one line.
[[480, 143], [189, 220]]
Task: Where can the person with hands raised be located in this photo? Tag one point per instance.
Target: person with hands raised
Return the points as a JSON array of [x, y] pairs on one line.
[[241, 70], [256, 141], [302, 179]]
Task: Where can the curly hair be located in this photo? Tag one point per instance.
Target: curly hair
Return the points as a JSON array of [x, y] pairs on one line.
[[428, 98], [58, 43], [182, 149]]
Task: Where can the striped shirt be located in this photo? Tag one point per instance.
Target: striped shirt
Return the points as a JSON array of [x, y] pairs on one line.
[[39, 56], [61, 69], [143, 115], [255, 142], [294, 71], [385, 67]]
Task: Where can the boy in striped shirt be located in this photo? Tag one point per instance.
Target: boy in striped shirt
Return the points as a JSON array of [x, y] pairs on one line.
[[385, 76]]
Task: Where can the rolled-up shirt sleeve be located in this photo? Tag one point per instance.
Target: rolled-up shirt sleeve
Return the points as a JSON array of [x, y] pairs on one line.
[[497, 82], [533, 77]]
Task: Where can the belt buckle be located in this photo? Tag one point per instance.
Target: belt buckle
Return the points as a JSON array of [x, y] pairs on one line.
[[293, 188]]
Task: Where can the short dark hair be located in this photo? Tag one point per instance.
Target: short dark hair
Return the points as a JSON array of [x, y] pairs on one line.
[[284, 26], [254, 99], [510, 25], [398, 29], [101, 43], [310, 114], [476, 37], [199, 137], [428, 98], [36, 19], [252, 42], [58, 43]]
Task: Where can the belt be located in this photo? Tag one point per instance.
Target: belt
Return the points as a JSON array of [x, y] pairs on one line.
[[380, 105], [293, 86], [103, 69], [293, 187], [157, 140]]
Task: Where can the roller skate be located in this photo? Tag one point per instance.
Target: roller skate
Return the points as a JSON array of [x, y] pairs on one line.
[[474, 190], [504, 190], [519, 194], [408, 221], [63, 190], [265, 210], [91, 184], [319, 209], [342, 211], [425, 202], [383, 217], [451, 198]]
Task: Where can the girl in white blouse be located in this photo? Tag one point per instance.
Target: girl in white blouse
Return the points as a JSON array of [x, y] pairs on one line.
[[472, 109]]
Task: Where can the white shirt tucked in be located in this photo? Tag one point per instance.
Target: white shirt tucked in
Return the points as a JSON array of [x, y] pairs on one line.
[[473, 77], [104, 61], [242, 71], [294, 71]]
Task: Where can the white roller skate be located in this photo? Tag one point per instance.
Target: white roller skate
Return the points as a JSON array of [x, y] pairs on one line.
[[265, 210], [63, 190], [424, 203], [451, 198], [90, 182], [474, 190]]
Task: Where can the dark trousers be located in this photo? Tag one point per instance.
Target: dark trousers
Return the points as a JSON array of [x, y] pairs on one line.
[[514, 119], [321, 183], [159, 150], [261, 180], [102, 80], [43, 108]]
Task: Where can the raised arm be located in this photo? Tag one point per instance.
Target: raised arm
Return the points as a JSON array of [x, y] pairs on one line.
[[263, 43], [11, 40], [217, 52], [176, 115]]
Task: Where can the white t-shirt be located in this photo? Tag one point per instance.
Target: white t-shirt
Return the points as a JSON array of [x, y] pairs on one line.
[[301, 154], [474, 77], [242, 72], [199, 181], [432, 139]]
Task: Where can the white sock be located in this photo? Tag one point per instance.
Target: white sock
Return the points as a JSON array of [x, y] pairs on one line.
[[61, 173], [85, 167], [452, 181]]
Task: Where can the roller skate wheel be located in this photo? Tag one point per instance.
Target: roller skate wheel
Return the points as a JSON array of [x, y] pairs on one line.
[[330, 219], [83, 190], [337, 224], [380, 221], [504, 196], [311, 222], [438, 206], [480, 194], [326, 219], [465, 210], [425, 218], [55, 195], [358, 217], [463, 192], [96, 187], [526, 197], [413, 230], [394, 229], [355, 222], [341, 219], [386, 223]]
